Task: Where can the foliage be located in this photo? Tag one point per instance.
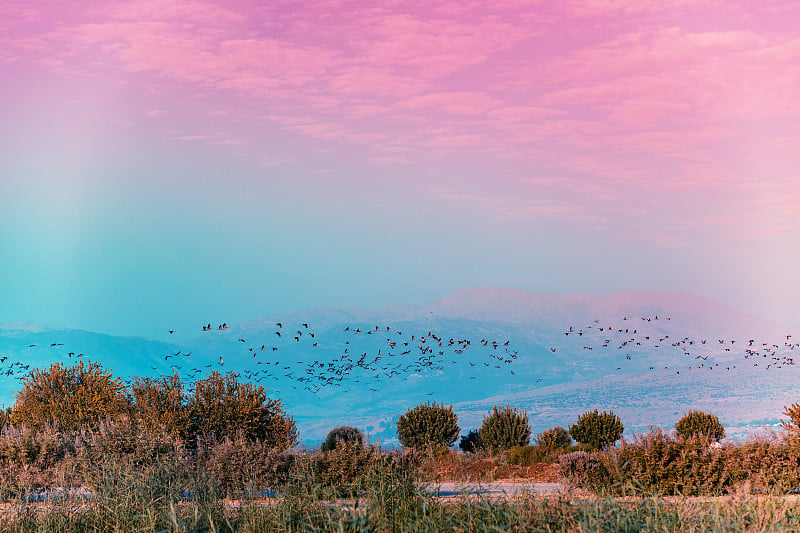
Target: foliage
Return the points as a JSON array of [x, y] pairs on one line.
[[553, 439], [5, 416], [584, 469], [698, 423], [428, 426], [659, 464], [233, 468], [525, 455], [71, 397], [160, 403], [222, 407], [504, 429], [471, 442], [597, 429], [346, 468], [793, 424], [342, 435]]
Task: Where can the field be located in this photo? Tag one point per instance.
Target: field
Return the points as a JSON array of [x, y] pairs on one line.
[[241, 486]]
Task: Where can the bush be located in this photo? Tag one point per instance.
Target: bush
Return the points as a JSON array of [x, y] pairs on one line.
[[504, 429], [69, 397], [659, 464], [233, 468], [342, 435], [428, 426], [792, 426], [553, 439], [525, 455], [698, 423], [222, 407], [160, 403], [471, 442], [583, 469], [597, 429], [344, 469]]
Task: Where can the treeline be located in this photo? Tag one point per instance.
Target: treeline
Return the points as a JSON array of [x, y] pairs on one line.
[[68, 424], [86, 395]]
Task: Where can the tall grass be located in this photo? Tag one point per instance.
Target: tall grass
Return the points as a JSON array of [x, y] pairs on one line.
[[145, 481]]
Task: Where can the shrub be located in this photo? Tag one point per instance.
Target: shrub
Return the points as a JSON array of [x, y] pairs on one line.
[[232, 468], [525, 455], [71, 397], [583, 469], [342, 435], [657, 463], [553, 439], [792, 426], [504, 429], [471, 442], [222, 407], [698, 423], [597, 429], [428, 426], [344, 469], [160, 403]]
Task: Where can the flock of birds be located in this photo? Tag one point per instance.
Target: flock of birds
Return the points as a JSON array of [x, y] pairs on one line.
[[294, 356], [638, 339]]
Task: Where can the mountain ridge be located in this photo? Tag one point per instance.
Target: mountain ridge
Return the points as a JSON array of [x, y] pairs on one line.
[[536, 350]]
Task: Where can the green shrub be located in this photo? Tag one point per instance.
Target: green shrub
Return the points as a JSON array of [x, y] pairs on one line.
[[471, 442], [597, 429], [160, 403], [70, 397], [428, 426], [583, 469], [222, 407], [526, 455], [346, 468], [698, 423], [659, 464], [504, 429], [233, 468], [553, 439], [342, 435]]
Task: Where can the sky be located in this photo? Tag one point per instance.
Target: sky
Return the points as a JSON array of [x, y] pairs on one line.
[[167, 164]]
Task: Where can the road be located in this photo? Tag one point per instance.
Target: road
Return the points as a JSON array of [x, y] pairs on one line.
[[446, 489]]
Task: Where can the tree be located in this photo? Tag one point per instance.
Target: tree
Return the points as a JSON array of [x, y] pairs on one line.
[[698, 423], [222, 407], [71, 397], [597, 429], [505, 428], [160, 403], [341, 436], [793, 424], [428, 426]]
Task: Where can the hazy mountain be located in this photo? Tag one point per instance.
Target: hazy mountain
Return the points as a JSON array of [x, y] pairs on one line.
[[648, 356]]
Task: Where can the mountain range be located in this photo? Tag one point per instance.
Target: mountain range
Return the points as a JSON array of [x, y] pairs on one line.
[[648, 356]]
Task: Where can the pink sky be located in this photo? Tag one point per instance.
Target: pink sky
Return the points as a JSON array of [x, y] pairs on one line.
[[662, 134]]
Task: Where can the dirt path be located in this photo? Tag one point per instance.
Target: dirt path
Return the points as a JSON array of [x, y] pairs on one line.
[[448, 489]]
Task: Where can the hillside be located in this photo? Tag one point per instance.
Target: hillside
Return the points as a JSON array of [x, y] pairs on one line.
[[647, 356]]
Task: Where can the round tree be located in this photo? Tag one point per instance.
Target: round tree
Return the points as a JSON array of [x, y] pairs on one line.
[[505, 428], [71, 397], [698, 423], [343, 435], [222, 407], [597, 429], [428, 426]]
